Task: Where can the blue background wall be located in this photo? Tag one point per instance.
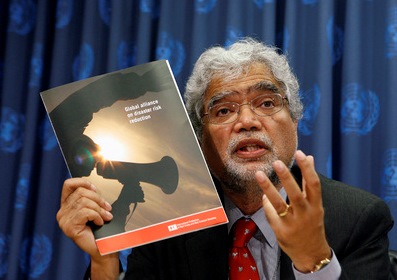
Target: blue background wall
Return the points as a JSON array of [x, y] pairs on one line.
[[344, 54]]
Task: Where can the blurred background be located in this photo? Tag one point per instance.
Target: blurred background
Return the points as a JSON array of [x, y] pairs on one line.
[[343, 52]]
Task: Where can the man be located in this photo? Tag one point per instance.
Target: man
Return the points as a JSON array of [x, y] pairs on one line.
[[244, 104]]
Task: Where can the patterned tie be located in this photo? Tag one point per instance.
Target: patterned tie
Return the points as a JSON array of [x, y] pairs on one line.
[[242, 265]]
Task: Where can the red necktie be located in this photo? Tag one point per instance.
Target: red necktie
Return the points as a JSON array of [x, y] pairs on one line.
[[242, 265]]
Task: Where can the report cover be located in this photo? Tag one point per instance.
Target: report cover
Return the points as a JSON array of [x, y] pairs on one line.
[[128, 132]]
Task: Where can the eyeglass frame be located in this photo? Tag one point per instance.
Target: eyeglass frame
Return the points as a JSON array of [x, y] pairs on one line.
[[239, 108]]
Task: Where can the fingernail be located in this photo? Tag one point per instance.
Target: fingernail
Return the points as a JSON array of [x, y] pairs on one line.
[[278, 166], [108, 206], [109, 215], [300, 155], [260, 176], [264, 197], [93, 187]]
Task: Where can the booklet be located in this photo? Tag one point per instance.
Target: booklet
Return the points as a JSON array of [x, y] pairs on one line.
[[128, 133]]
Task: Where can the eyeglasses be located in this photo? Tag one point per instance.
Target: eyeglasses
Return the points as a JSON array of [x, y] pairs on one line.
[[227, 112]]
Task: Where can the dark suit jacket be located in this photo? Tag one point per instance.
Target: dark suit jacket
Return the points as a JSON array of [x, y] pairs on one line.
[[356, 223]]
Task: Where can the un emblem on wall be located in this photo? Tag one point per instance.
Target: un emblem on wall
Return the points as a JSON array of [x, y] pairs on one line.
[[389, 176], [261, 3], [11, 130], [151, 7], [47, 136], [335, 40], [23, 186], [105, 10], [204, 6], [35, 255], [83, 64], [233, 34], [5, 241], [22, 16], [311, 102], [36, 65], [64, 13], [391, 33], [360, 110], [172, 50]]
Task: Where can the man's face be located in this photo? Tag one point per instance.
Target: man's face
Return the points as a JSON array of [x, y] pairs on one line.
[[235, 151]]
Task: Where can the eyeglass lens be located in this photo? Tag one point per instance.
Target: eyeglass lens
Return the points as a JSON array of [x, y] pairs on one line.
[[263, 105]]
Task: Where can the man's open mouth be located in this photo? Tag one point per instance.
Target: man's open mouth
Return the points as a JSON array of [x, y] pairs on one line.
[[251, 148]]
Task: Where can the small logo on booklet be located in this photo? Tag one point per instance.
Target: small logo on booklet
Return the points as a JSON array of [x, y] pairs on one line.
[[172, 227]]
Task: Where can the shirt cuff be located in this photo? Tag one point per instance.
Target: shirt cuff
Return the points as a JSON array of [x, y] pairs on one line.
[[331, 271]]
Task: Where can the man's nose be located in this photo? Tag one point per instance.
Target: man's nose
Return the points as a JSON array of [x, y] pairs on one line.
[[245, 111], [247, 119]]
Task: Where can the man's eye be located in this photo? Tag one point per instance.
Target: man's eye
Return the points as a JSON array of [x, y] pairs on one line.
[[221, 112], [267, 104]]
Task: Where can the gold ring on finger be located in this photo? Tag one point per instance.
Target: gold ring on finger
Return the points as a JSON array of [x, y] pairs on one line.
[[282, 214]]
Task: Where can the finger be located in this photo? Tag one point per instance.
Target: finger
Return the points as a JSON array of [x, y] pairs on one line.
[[98, 217], [92, 205], [270, 212], [76, 223], [270, 191], [70, 185], [83, 198], [294, 193], [304, 187], [78, 187], [80, 211], [79, 219], [311, 181]]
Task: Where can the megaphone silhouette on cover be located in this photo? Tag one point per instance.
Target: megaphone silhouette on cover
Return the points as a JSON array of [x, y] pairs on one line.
[[163, 174]]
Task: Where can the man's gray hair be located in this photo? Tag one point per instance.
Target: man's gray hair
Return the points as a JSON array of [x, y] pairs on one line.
[[230, 63]]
